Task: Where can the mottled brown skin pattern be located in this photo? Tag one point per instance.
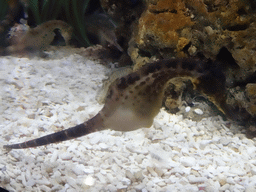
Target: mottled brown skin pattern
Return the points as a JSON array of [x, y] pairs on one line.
[[40, 37], [135, 99]]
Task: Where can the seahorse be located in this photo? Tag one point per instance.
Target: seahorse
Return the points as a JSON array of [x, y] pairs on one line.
[[40, 37], [134, 100]]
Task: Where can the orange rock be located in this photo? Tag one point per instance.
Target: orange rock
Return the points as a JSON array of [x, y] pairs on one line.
[[159, 24]]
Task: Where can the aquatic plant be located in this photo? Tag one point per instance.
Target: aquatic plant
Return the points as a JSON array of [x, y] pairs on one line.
[[44, 10], [75, 16], [3, 9]]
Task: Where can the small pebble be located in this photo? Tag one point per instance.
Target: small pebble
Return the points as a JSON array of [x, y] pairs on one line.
[[198, 111], [224, 141], [89, 181], [188, 161], [187, 109]]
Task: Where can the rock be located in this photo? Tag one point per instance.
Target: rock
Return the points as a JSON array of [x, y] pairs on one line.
[[193, 179], [187, 109], [253, 170], [224, 141], [251, 94], [188, 161], [198, 111]]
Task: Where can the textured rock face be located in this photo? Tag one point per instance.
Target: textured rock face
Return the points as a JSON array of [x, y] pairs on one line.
[[182, 28], [160, 23], [251, 94]]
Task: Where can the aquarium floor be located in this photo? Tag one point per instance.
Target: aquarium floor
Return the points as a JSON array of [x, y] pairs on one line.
[[42, 96]]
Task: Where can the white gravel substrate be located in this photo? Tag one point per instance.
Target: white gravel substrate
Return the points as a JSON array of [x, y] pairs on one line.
[[39, 97]]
